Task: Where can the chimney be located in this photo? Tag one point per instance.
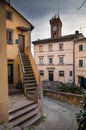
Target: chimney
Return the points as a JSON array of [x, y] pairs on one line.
[[76, 32]]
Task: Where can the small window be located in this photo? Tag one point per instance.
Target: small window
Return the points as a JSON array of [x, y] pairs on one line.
[[80, 63], [61, 60], [41, 60], [70, 73], [61, 73], [50, 60], [40, 48], [41, 72], [61, 46], [80, 47], [9, 34], [50, 47], [8, 15]]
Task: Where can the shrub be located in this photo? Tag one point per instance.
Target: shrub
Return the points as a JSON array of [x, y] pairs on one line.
[[81, 116], [70, 88]]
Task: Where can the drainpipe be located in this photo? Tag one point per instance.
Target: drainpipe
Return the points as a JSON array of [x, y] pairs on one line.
[[74, 62]]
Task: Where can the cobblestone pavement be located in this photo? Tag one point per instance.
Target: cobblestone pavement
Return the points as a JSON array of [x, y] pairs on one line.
[[59, 116]]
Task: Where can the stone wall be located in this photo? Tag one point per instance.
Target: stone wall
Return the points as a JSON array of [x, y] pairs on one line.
[[64, 97]]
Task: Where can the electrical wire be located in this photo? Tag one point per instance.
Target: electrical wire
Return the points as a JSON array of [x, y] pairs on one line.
[[82, 5]]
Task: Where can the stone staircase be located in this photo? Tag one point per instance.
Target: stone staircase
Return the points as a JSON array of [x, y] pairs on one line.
[[24, 115], [30, 84]]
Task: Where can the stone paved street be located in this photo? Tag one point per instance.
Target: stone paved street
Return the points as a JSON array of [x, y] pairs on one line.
[[59, 116]]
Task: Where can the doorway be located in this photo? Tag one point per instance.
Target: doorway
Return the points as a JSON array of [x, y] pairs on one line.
[[10, 73], [51, 76], [21, 43], [82, 82]]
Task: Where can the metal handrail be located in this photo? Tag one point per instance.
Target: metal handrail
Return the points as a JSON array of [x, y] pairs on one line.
[[21, 61]]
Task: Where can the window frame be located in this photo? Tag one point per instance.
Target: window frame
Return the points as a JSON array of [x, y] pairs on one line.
[[60, 46], [81, 47], [70, 73], [50, 46], [41, 72], [9, 36], [40, 60], [50, 60], [40, 48], [61, 73], [9, 15], [61, 60], [80, 63]]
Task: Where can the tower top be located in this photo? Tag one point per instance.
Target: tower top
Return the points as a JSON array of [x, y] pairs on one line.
[[56, 25]]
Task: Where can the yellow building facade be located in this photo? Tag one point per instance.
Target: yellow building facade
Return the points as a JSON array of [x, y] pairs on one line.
[[16, 61], [3, 66], [17, 27]]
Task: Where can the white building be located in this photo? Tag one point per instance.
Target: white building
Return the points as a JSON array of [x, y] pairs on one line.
[[55, 56]]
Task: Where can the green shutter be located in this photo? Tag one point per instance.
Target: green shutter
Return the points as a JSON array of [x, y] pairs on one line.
[[80, 47]]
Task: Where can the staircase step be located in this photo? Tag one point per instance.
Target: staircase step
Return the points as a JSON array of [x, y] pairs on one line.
[[30, 84], [28, 74], [30, 88], [24, 118], [30, 96], [29, 81], [22, 112], [23, 105], [32, 120], [28, 78], [31, 92], [29, 70]]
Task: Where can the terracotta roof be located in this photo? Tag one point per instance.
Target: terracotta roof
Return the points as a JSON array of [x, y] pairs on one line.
[[70, 37], [32, 27], [82, 39]]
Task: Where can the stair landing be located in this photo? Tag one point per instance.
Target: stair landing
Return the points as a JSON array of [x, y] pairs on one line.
[[16, 100]]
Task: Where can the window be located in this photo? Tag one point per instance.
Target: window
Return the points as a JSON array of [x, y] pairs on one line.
[[50, 47], [70, 73], [61, 60], [80, 63], [9, 34], [61, 46], [80, 47], [41, 72], [50, 60], [8, 15], [40, 48], [61, 73], [41, 60]]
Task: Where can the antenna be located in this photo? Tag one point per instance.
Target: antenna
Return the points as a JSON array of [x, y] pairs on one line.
[[81, 28]]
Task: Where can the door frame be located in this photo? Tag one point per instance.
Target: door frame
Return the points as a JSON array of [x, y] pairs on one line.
[[52, 75], [23, 41]]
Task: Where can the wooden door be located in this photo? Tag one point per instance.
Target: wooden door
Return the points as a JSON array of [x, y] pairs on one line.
[[21, 43]]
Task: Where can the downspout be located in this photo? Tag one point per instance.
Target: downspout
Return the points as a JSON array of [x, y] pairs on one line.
[[74, 62]]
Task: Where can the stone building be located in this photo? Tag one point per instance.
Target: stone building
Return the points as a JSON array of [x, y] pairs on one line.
[[55, 56]]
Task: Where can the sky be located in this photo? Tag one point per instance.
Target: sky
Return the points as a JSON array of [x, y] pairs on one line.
[[39, 12]]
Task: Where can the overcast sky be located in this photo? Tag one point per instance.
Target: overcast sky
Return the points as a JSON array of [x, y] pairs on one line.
[[39, 12]]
